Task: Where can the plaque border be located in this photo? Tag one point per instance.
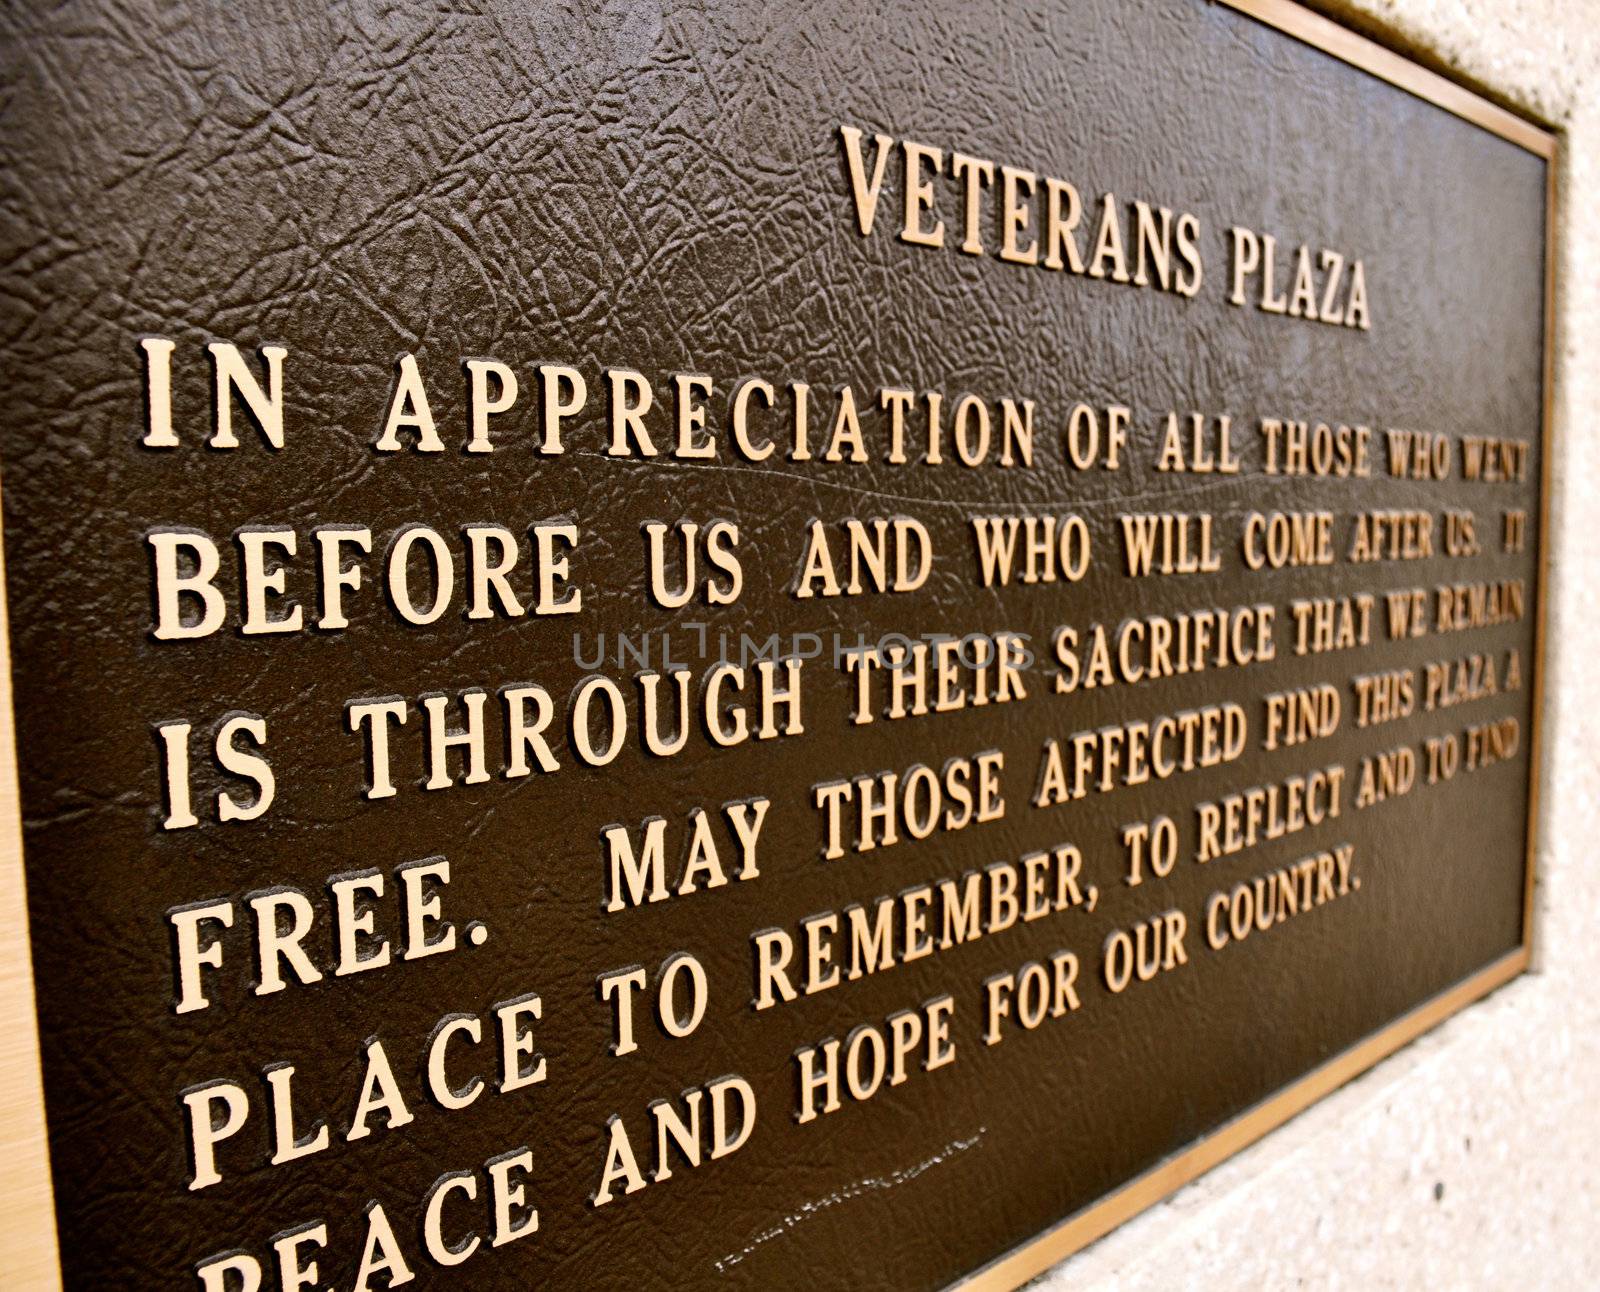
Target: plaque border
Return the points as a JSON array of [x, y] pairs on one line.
[[28, 1236], [1053, 1245], [27, 1201]]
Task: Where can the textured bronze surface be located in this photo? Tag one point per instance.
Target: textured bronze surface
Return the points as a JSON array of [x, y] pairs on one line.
[[667, 191]]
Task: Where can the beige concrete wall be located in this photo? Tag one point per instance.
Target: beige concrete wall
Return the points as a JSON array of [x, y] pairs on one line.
[[1470, 1159]]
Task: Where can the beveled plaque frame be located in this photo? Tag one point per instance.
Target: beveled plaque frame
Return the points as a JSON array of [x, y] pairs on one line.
[[28, 1240]]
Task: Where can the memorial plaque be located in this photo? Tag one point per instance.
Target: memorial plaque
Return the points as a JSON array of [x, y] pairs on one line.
[[743, 646]]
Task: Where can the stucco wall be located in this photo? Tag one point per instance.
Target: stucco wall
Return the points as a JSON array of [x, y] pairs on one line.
[[1471, 1159]]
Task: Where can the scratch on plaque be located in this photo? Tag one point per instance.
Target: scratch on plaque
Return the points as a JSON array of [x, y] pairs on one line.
[[865, 1185]]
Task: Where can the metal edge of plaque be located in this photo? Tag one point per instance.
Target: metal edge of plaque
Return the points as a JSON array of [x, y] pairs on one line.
[[27, 1203]]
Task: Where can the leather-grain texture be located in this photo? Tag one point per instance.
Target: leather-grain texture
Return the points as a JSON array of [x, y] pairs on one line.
[[663, 188]]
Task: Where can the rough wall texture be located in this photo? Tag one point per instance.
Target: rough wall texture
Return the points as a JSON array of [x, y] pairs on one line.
[[1472, 1158]]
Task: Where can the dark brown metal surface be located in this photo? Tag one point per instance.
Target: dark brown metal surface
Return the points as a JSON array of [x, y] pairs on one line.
[[664, 189]]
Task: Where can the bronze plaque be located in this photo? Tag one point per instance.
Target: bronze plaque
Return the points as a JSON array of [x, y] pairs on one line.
[[745, 646]]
